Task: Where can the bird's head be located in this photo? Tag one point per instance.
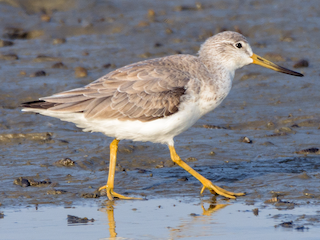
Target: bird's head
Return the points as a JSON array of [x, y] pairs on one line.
[[232, 50]]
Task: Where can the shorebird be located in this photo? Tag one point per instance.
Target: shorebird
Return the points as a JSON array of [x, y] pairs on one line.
[[157, 99]]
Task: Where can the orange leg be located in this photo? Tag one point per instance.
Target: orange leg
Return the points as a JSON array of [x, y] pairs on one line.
[[112, 169], [206, 183]]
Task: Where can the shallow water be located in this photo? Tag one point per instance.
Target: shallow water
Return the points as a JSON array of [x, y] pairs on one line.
[[159, 219], [279, 113]]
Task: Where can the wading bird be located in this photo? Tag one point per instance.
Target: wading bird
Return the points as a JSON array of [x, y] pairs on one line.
[[157, 99]]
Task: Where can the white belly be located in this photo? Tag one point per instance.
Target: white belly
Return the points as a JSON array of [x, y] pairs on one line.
[[162, 130]]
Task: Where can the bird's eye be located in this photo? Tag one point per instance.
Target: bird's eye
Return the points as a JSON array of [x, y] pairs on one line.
[[238, 45]]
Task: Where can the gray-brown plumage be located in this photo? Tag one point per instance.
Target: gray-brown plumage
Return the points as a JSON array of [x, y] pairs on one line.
[[146, 90]]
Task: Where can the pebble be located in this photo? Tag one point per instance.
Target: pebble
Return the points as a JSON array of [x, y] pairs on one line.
[[109, 65], [4, 43], [74, 219], [255, 211], [29, 136], [65, 162], [40, 73], [26, 182], [9, 57], [286, 224], [143, 24], [55, 192], [161, 165], [145, 55], [191, 159], [151, 13], [90, 195], [194, 215], [198, 6], [245, 140], [45, 18], [141, 171], [44, 58], [268, 144], [59, 65], [272, 200], [285, 129], [184, 179], [169, 31], [278, 134], [58, 41], [301, 64], [270, 125], [80, 72], [119, 168], [309, 151], [15, 33], [213, 126]]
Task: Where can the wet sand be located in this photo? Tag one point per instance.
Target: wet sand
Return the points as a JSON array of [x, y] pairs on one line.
[[50, 47]]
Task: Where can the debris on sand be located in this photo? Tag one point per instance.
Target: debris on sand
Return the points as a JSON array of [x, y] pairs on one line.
[[27, 182], [90, 195], [55, 192], [291, 225], [65, 162], [245, 140], [309, 151], [80, 72], [40, 73], [74, 219], [302, 63]]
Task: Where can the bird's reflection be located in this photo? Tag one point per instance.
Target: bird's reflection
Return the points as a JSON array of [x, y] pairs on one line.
[[192, 224], [109, 209], [214, 206]]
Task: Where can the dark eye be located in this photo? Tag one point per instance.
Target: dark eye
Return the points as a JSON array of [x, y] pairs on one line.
[[238, 45]]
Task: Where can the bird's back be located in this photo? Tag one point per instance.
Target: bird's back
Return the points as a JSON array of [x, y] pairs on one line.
[[143, 91]]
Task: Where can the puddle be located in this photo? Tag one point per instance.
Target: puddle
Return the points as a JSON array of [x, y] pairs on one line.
[[159, 219]]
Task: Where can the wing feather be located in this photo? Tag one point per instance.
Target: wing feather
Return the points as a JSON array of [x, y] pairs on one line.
[[142, 91]]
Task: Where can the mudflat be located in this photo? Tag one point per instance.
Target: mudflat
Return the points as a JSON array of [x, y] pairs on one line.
[[263, 139]]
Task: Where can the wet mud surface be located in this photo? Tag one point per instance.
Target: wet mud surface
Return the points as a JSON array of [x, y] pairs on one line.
[[263, 139]]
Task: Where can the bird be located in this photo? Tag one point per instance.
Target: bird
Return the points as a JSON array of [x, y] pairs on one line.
[[157, 99]]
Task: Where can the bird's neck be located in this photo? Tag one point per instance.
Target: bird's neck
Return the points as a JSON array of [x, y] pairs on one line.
[[215, 88], [214, 61]]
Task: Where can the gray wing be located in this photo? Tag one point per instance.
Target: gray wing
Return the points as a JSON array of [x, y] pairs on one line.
[[142, 91]]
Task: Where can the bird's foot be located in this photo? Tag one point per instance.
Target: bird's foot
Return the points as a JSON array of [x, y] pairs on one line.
[[214, 189], [111, 194]]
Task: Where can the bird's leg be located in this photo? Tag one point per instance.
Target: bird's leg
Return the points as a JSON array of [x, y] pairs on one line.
[[112, 169], [206, 183]]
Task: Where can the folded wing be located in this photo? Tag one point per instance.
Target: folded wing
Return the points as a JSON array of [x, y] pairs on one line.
[[142, 91]]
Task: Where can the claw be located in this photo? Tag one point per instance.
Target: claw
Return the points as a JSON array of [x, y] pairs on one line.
[[111, 194], [220, 191]]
